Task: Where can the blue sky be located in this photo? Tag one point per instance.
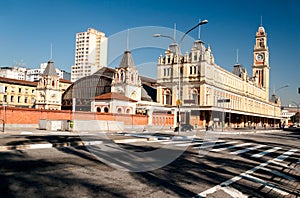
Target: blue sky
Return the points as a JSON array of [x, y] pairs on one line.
[[29, 27]]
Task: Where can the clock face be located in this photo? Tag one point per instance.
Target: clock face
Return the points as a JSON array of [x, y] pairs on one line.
[[259, 57]]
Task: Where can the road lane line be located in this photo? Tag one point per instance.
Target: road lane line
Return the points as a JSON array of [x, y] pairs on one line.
[[266, 152], [247, 149], [230, 147], [237, 178]]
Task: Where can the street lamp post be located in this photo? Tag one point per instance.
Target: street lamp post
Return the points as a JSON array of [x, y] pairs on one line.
[[178, 53], [274, 93]]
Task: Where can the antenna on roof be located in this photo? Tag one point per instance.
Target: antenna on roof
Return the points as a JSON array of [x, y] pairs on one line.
[[127, 41], [260, 20], [199, 30], [237, 55]]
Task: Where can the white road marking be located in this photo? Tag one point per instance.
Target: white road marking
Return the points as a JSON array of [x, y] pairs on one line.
[[213, 144], [38, 146], [189, 144], [265, 184], [247, 149], [286, 166], [26, 132], [176, 142], [280, 174], [230, 147], [236, 178], [266, 152]]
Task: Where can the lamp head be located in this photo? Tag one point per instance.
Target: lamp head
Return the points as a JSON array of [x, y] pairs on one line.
[[203, 22]]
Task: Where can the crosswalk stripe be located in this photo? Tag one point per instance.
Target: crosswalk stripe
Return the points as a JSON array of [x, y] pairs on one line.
[[189, 144], [266, 152], [247, 149], [213, 144], [176, 142], [230, 147], [244, 174]]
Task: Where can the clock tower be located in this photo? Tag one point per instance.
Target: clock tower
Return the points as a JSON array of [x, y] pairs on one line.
[[261, 68]]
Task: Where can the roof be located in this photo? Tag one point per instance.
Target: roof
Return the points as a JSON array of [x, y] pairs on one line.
[[18, 82], [64, 81], [50, 69], [127, 60], [114, 95]]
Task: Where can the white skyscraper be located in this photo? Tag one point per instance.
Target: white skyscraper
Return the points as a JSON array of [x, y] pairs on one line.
[[90, 53]]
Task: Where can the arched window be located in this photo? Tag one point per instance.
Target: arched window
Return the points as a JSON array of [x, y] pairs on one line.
[[128, 111], [195, 96], [167, 97], [119, 110], [106, 109], [98, 109]]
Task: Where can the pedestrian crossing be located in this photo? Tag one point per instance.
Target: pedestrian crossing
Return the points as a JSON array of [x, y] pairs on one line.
[[218, 146], [272, 163]]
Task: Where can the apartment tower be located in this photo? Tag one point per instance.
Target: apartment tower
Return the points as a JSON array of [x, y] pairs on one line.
[[90, 53]]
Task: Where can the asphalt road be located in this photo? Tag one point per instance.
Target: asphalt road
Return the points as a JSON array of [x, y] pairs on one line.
[[211, 165]]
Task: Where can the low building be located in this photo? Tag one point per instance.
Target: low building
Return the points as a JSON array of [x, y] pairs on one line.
[[23, 93], [17, 93]]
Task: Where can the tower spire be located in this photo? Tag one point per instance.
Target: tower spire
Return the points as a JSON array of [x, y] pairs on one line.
[[261, 21]]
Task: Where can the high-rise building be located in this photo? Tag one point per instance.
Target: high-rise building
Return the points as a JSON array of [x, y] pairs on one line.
[[90, 53]]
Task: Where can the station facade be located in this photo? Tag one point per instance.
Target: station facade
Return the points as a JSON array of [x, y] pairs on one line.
[[203, 93]]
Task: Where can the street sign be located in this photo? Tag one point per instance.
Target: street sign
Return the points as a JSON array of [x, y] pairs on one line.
[[224, 100], [178, 102]]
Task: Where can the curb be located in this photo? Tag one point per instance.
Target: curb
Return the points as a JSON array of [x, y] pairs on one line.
[[47, 145]]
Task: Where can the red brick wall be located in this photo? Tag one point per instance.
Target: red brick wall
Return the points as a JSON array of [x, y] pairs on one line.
[[163, 119], [14, 115]]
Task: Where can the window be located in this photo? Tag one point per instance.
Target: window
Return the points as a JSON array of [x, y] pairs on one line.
[[5, 98], [167, 97], [12, 89], [119, 110], [19, 99], [12, 98], [195, 96], [106, 109], [26, 100], [5, 89], [20, 90], [98, 109]]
